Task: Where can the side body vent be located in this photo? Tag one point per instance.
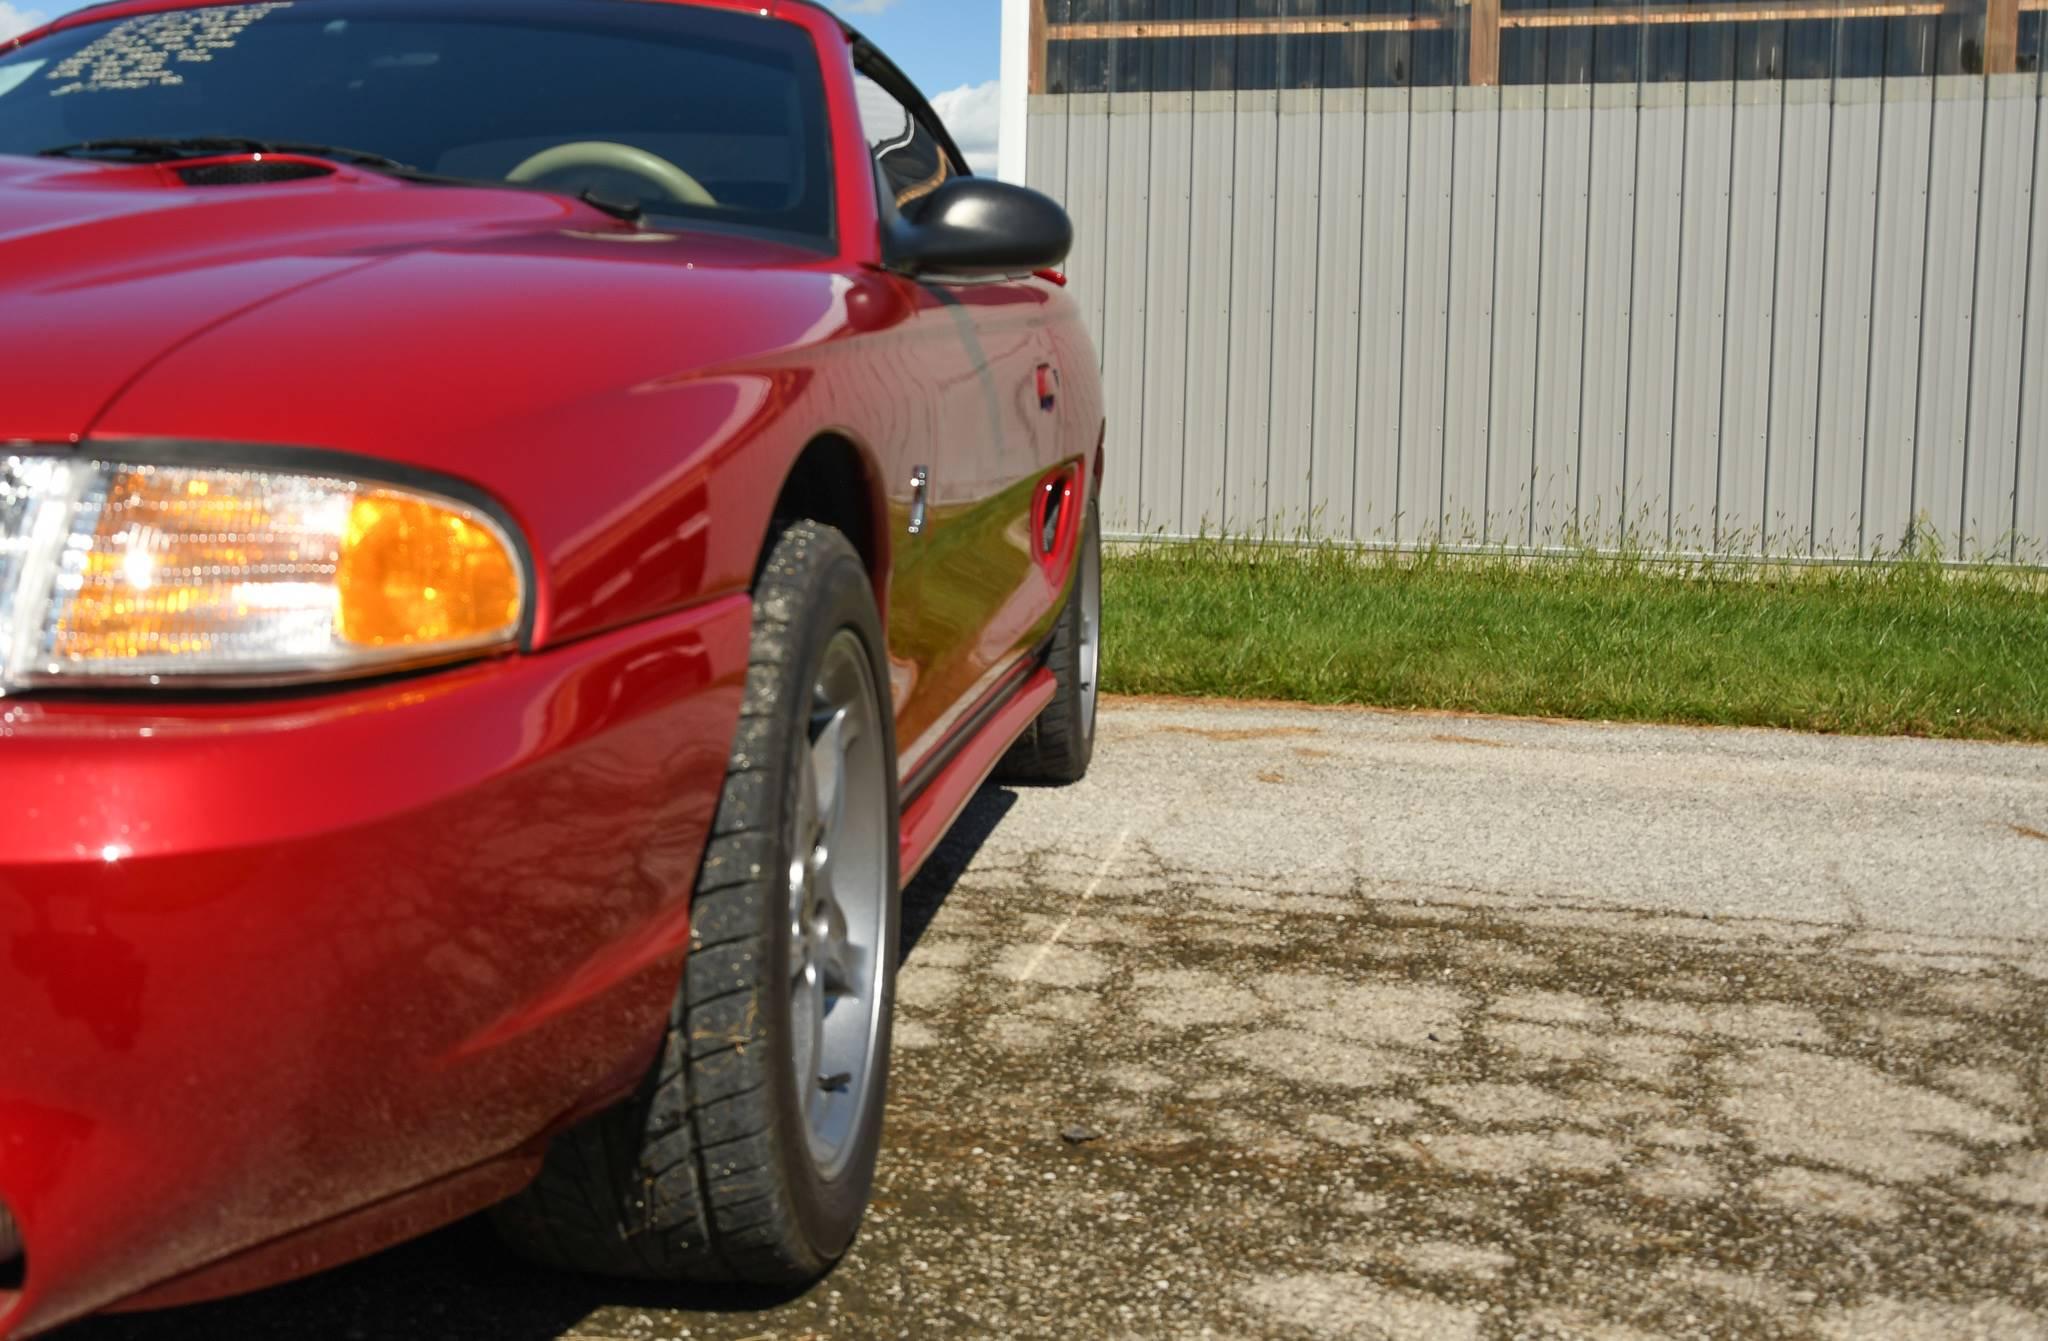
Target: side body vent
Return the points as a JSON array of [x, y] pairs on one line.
[[251, 172]]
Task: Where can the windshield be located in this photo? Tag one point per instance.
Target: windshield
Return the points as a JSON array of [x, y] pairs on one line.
[[708, 115]]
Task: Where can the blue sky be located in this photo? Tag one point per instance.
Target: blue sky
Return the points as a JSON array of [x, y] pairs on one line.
[[942, 44]]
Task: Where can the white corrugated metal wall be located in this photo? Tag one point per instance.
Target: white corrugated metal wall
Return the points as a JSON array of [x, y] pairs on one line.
[[1786, 317]]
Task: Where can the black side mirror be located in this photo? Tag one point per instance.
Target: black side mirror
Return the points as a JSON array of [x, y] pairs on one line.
[[974, 227]]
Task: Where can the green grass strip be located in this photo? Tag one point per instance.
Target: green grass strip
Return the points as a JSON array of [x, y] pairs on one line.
[[1907, 647]]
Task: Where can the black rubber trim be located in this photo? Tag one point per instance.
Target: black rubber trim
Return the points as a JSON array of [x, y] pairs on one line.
[[283, 459], [968, 727]]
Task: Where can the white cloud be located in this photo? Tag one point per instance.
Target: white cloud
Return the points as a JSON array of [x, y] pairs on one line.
[[974, 113], [14, 19], [862, 6]]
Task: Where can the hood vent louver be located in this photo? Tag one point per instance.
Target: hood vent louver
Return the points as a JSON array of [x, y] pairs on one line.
[[252, 172]]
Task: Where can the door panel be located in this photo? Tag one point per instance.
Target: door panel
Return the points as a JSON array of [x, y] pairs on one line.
[[981, 598]]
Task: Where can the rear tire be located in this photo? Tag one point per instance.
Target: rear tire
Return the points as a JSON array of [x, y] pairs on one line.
[[1060, 744], [748, 1154]]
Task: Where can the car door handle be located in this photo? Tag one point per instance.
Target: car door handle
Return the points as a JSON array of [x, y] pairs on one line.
[[1048, 386], [920, 493]]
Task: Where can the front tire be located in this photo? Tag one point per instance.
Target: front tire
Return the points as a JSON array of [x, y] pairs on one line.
[[748, 1155]]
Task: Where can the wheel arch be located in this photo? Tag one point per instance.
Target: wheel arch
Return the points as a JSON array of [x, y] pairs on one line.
[[834, 481]]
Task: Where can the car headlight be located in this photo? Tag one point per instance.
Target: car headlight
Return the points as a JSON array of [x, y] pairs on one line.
[[130, 573]]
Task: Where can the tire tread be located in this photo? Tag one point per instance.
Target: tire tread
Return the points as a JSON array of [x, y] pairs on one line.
[[682, 1182]]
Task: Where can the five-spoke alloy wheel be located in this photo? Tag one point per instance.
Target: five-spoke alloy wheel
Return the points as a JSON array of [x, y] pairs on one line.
[[838, 907]]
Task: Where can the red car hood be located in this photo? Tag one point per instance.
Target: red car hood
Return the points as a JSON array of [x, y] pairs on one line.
[[572, 366], [106, 269]]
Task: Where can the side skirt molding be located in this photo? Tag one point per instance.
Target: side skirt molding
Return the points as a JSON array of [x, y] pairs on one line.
[[939, 799]]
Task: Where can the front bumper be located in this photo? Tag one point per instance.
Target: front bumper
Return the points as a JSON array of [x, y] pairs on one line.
[[265, 964]]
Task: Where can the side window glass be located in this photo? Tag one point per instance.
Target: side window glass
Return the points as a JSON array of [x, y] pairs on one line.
[[911, 162]]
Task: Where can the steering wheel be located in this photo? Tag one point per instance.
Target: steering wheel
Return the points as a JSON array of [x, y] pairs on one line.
[[672, 180]]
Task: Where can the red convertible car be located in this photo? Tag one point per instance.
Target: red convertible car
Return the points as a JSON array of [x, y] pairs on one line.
[[522, 522]]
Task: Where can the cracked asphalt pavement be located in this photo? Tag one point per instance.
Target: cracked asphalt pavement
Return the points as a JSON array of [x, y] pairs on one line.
[[1298, 1023]]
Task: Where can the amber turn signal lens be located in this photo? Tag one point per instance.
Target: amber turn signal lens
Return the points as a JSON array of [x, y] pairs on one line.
[[413, 574]]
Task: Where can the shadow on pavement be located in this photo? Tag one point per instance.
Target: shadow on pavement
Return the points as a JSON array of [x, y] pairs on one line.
[[927, 894], [456, 1285]]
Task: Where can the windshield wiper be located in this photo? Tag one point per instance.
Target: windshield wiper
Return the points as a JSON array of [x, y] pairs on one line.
[[632, 211], [158, 149]]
